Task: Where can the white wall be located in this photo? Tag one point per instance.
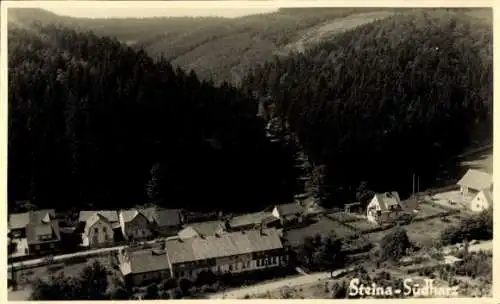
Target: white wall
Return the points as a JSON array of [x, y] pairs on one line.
[[104, 234], [479, 203]]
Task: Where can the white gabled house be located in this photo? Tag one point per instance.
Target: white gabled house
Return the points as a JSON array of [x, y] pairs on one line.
[[384, 207], [482, 201], [475, 181]]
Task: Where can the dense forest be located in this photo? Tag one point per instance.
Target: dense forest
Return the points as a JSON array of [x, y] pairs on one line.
[[94, 123], [384, 101], [220, 49]]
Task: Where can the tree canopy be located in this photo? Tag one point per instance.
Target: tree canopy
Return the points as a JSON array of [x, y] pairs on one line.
[[89, 118], [386, 100]]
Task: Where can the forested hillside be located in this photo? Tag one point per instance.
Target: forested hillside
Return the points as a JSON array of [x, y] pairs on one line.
[[96, 124], [385, 100], [219, 48]]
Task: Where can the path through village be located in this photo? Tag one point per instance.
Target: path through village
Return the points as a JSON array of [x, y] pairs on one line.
[[305, 279]]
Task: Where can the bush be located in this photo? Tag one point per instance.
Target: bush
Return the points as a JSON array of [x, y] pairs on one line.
[[185, 285], [151, 292], [165, 295], [394, 245], [476, 265], [168, 284], [476, 227], [339, 291], [175, 293]]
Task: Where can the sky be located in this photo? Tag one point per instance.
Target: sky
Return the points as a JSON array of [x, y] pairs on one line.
[[126, 10]]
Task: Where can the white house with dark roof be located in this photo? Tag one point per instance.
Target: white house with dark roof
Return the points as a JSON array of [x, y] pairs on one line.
[[482, 201], [143, 265], [234, 252], [135, 225], [97, 231], [384, 207], [475, 181]]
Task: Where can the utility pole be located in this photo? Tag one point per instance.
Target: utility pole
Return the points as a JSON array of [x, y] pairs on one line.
[[418, 184], [413, 185]]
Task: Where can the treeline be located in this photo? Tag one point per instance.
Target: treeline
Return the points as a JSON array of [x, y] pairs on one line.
[[96, 124], [385, 100], [221, 49]]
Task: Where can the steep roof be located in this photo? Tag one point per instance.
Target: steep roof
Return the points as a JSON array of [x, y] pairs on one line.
[[208, 228], [163, 217], [251, 219], [96, 217], [475, 179], [230, 244], [42, 222], [129, 215], [388, 199], [111, 215], [290, 209]]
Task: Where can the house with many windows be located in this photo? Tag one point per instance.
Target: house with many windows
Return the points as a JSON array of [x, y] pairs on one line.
[[234, 252], [98, 227], [42, 232], [97, 231], [134, 225]]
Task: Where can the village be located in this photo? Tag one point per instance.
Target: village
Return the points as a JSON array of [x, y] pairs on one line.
[[151, 245]]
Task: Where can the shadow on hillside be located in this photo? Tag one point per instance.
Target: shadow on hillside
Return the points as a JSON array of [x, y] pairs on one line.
[[450, 173]]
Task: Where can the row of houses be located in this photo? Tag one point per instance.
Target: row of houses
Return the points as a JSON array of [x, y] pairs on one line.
[[186, 257], [38, 232]]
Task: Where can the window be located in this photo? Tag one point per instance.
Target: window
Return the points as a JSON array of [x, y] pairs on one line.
[[258, 262], [230, 267], [96, 230], [104, 229], [105, 237]]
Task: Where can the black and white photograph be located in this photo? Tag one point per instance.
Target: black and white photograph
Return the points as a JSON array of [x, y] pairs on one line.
[[247, 150]]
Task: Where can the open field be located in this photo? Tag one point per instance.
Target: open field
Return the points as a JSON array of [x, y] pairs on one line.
[[330, 28], [345, 217], [423, 233], [426, 210]]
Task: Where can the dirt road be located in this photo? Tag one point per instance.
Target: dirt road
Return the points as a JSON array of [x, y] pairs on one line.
[[63, 257]]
